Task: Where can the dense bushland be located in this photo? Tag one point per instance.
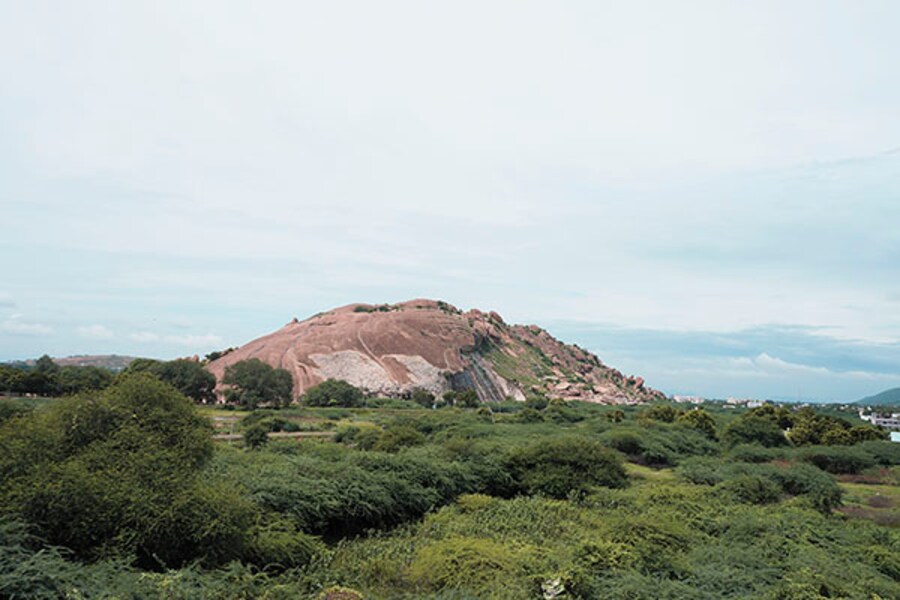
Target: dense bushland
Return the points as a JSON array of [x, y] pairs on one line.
[[122, 493]]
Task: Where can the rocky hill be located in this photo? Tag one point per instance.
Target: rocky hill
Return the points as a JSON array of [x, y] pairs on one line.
[[393, 349]]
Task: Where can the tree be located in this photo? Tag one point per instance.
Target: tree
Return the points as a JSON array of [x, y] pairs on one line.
[[46, 366], [187, 376], [661, 412], [422, 397], [749, 429], [256, 436], [700, 420], [465, 398], [73, 380], [779, 415], [333, 392], [253, 382]]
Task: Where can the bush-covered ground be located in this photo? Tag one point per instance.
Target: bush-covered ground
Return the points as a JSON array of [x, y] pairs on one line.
[[122, 493]]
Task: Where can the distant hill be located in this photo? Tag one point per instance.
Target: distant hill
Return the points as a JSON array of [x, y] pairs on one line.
[[393, 349], [886, 398], [113, 362]]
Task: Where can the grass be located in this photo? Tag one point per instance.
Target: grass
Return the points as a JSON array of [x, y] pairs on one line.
[[878, 503], [641, 472]]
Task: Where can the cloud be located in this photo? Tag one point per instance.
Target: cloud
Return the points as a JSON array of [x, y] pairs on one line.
[[16, 326], [95, 332], [195, 341], [6, 300], [186, 340], [144, 336]]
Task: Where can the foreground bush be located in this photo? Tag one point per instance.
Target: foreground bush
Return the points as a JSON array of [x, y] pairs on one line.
[[119, 474], [562, 466], [837, 459]]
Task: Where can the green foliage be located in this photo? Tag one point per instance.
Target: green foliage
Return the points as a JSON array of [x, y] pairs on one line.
[[530, 415], [256, 436], [74, 380], [810, 428], [700, 420], [395, 438], [188, 377], [755, 489], [751, 429], [253, 383], [12, 408], [47, 378], [474, 508], [333, 392], [754, 453], [562, 466], [657, 444], [886, 454], [475, 563], [117, 472], [537, 402], [780, 416], [661, 412], [463, 398], [615, 416], [837, 459], [422, 397]]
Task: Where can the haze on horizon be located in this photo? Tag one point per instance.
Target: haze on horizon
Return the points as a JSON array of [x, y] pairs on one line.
[[706, 194]]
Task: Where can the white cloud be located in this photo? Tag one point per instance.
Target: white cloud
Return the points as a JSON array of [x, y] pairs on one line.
[[195, 341], [144, 336], [95, 332], [187, 340], [6, 300], [16, 326]]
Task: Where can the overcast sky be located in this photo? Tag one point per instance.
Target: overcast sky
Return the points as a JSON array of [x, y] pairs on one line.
[[706, 194]]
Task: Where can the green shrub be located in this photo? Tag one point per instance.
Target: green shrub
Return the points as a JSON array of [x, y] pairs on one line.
[[530, 415], [395, 438], [753, 489], [754, 453], [656, 541], [277, 545], [750, 429], [702, 471], [334, 392], [818, 487], [836, 459], [561, 466], [660, 412], [700, 420], [886, 454], [469, 563], [256, 436]]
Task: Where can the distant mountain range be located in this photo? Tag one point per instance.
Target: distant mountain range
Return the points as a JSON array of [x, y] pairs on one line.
[[886, 398], [113, 362]]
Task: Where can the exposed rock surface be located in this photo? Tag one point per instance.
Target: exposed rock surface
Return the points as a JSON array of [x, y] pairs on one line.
[[393, 349]]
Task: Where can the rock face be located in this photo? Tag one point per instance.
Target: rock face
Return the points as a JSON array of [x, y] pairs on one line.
[[393, 349]]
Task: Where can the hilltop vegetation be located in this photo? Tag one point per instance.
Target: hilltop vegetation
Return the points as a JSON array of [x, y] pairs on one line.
[[886, 398], [122, 493]]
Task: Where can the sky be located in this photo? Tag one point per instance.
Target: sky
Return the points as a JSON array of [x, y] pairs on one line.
[[704, 193]]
